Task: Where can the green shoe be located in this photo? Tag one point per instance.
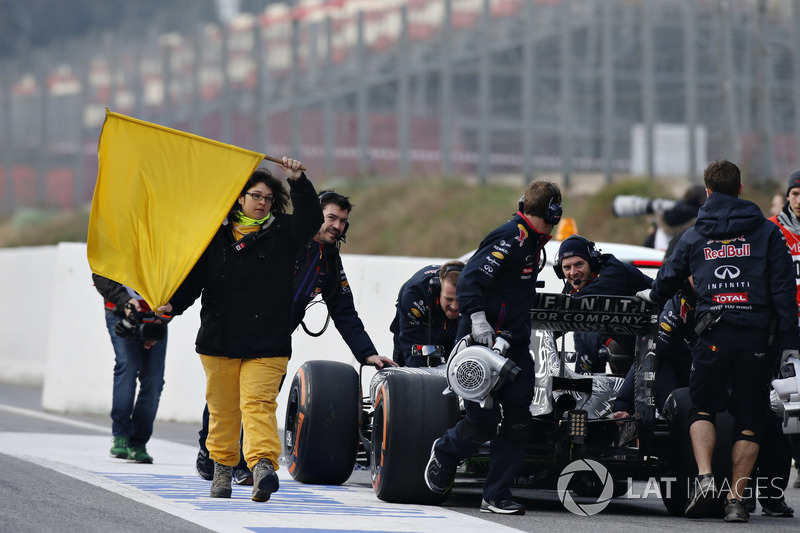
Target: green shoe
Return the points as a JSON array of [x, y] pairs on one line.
[[119, 447], [138, 454]]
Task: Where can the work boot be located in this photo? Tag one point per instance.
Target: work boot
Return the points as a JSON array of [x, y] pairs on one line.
[[265, 481], [119, 447], [221, 484]]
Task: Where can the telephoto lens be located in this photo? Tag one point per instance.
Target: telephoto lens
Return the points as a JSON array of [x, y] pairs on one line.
[[634, 206]]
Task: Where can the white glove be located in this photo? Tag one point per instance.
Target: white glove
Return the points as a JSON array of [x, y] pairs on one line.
[[644, 295], [482, 332], [785, 355]]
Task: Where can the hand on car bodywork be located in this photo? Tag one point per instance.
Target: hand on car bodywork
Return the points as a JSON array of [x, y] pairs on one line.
[[379, 361]]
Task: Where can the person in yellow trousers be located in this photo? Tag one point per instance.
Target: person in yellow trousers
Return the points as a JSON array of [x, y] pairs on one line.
[[245, 276]]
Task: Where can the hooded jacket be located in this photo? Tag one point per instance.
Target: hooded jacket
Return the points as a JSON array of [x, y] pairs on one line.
[[741, 266]]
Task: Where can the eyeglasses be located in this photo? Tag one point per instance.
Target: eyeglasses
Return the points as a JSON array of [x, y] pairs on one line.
[[257, 196]]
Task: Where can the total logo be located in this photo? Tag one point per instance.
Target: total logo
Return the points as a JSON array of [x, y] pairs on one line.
[[730, 298]]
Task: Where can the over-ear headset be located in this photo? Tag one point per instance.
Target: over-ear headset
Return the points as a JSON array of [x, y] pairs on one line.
[[591, 252], [553, 212], [454, 267], [335, 195]]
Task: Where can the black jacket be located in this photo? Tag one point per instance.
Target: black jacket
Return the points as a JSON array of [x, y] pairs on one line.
[[500, 279], [419, 318], [247, 295], [319, 270], [112, 292], [740, 264]]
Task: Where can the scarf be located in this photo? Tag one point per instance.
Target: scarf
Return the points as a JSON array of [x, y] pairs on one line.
[[243, 224]]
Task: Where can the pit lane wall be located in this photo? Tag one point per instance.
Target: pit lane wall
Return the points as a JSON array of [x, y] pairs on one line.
[[53, 334]]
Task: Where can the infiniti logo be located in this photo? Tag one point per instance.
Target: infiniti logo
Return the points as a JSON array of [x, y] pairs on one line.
[[727, 272]]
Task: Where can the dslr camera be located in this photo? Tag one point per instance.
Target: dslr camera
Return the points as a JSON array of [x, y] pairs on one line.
[[634, 206], [141, 325]]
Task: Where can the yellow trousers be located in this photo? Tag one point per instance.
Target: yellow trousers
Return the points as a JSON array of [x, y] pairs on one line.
[[243, 393]]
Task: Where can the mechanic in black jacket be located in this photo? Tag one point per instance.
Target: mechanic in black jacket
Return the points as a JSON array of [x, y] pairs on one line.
[[246, 276], [318, 271], [744, 279], [589, 272], [496, 291], [427, 314]]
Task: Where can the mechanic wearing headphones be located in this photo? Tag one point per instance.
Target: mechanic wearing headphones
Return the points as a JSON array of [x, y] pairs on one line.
[[318, 270], [427, 314], [496, 291], [588, 272]]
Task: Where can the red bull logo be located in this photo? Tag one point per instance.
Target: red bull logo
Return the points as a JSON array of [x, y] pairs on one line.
[[727, 250], [523, 234]]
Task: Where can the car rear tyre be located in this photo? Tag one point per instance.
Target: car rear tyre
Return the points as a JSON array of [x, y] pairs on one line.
[[410, 413]]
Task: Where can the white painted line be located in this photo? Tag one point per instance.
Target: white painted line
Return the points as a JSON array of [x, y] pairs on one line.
[[53, 418]]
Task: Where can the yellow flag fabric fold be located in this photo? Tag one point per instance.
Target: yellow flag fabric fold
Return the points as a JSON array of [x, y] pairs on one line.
[[160, 196]]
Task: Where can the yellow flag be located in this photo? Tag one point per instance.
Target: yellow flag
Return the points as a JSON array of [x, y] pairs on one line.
[[160, 196]]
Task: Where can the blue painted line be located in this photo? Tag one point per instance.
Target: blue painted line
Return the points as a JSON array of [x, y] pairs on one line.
[[293, 498]]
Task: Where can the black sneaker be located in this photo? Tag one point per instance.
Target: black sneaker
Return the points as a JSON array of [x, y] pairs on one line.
[[204, 465], [735, 511], [439, 476], [265, 481], [242, 476], [778, 507], [701, 497], [508, 506]]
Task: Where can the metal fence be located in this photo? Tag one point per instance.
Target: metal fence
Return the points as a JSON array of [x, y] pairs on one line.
[[477, 88]]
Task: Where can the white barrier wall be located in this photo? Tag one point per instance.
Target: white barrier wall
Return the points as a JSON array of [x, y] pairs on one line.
[[26, 286], [54, 333]]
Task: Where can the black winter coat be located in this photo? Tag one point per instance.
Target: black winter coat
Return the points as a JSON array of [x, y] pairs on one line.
[[247, 295]]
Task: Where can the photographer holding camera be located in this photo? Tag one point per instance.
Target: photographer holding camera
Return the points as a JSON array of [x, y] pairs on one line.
[[139, 338]]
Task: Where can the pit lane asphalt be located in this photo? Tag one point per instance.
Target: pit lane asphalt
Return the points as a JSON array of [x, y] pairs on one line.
[[37, 498]]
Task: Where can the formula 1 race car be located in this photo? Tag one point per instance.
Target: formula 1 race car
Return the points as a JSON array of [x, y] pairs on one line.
[[330, 427]]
